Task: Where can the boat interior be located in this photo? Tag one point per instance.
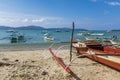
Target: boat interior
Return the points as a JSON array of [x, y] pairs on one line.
[[96, 46]]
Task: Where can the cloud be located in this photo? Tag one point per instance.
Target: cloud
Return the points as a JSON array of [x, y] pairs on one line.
[[13, 19], [38, 20], [114, 3], [46, 19], [96, 0], [25, 20]]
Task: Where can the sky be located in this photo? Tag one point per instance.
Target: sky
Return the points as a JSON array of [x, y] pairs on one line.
[[87, 14]]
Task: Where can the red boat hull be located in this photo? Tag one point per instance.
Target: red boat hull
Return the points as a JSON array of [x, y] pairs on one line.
[[112, 64]]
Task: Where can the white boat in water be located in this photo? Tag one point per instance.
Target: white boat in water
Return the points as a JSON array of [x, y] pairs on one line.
[[90, 34], [97, 34], [84, 34], [48, 37]]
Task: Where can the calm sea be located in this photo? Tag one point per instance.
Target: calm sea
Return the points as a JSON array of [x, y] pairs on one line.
[[36, 37]]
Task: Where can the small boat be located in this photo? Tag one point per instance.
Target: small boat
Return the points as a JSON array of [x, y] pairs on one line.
[[48, 37], [108, 55], [97, 34], [84, 34], [58, 30], [66, 30], [11, 31], [108, 31], [15, 37]]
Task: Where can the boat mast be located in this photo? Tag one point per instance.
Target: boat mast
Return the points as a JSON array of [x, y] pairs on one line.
[[71, 41]]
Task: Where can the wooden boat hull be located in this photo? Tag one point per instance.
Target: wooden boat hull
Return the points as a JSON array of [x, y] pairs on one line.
[[111, 50], [112, 61], [104, 54]]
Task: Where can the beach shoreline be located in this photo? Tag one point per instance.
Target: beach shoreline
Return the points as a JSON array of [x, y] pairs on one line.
[[39, 65], [31, 46]]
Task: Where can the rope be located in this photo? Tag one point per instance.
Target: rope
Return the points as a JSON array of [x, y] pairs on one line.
[[76, 58]]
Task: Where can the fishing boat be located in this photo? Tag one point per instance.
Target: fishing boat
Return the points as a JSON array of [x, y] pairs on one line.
[[15, 37], [58, 30], [106, 54], [94, 50], [48, 37], [84, 34], [97, 34]]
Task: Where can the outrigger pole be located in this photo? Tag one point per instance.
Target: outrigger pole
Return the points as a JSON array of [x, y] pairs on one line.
[[71, 41]]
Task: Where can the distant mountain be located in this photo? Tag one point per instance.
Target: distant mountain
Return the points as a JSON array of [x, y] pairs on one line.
[[116, 30], [59, 28], [5, 27], [82, 29], [30, 28], [22, 28], [65, 28]]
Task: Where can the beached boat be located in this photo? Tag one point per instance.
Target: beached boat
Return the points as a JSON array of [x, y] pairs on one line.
[[108, 55]]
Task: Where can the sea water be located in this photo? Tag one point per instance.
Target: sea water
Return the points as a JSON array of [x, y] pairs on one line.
[[35, 38]]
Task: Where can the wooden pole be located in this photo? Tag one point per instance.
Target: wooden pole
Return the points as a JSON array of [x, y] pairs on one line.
[[71, 41]]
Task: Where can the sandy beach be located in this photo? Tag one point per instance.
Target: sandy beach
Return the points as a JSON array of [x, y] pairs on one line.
[[39, 65]]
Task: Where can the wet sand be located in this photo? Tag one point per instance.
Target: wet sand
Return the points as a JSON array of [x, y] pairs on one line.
[[39, 65]]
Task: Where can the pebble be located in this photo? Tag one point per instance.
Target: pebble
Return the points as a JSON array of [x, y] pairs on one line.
[[44, 73]]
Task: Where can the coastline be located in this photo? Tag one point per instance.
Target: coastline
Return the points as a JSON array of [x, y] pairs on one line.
[[31, 46], [39, 65]]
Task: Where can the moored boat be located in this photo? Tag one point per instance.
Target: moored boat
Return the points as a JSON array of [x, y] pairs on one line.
[[48, 37], [15, 37]]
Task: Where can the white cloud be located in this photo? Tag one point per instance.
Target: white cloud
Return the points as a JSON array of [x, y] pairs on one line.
[[96, 0], [46, 19], [25, 20], [12, 19], [114, 3], [38, 20]]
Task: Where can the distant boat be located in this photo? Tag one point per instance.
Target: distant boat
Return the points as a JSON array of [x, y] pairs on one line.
[[108, 31], [58, 30], [97, 38], [48, 37], [97, 34], [90, 34], [15, 37], [66, 30], [84, 34], [11, 31], [46, 34]]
